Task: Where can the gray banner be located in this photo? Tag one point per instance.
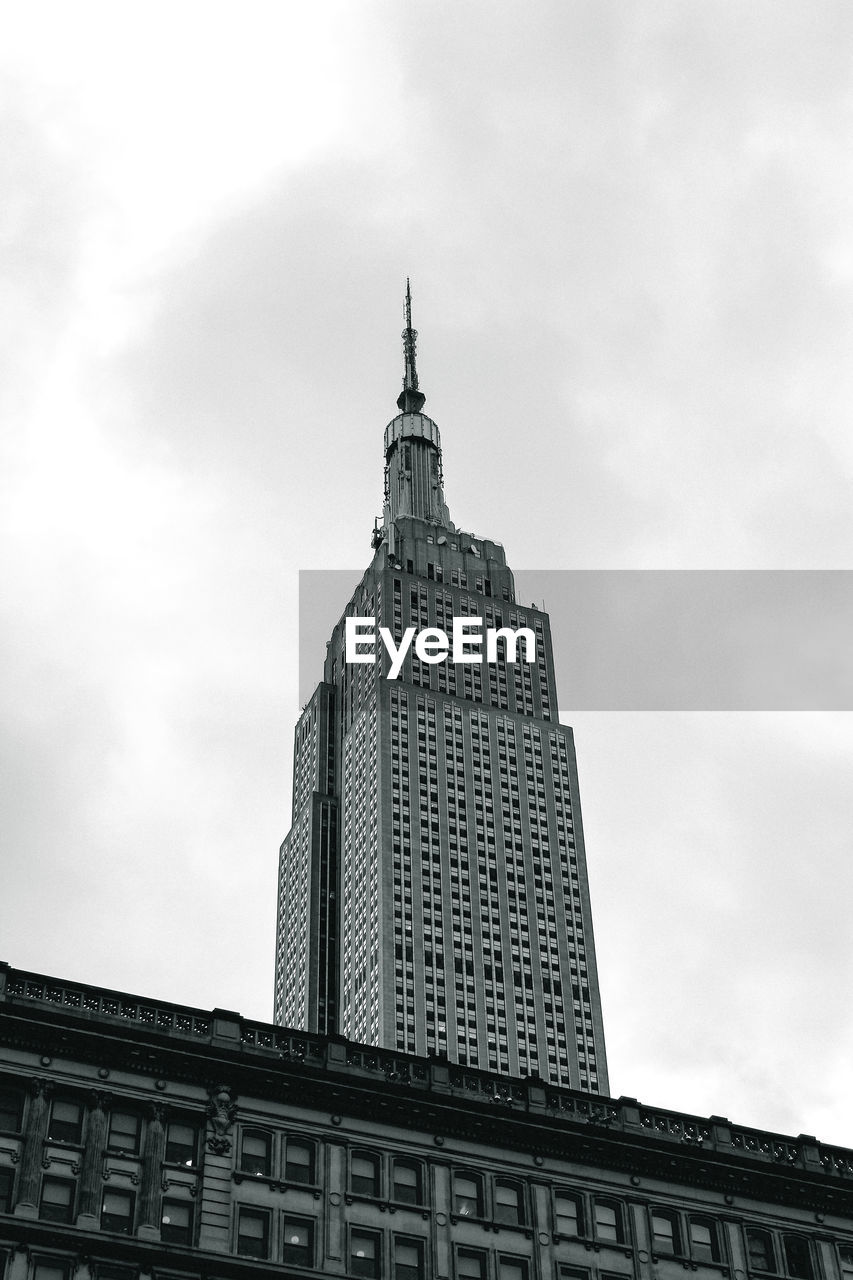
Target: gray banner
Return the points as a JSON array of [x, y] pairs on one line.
[[662, 640]]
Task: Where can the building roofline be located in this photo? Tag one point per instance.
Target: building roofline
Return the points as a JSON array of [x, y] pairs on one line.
[[429, 1093]]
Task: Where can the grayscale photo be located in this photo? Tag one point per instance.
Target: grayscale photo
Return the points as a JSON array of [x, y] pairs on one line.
[[427, 617]]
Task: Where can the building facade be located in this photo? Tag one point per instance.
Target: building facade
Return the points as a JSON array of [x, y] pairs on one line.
[[141, 1139], [433, 892]]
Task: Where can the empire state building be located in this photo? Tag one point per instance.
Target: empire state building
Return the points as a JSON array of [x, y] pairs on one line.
[[432, 892]]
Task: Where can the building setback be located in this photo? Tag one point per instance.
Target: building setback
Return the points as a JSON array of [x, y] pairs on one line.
[[433, 893], [141, 1139]]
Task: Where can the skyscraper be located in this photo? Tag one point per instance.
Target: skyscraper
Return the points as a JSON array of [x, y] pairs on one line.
[[433, 893]]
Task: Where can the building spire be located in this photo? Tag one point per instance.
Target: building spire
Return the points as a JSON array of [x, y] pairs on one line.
[[410, 399]]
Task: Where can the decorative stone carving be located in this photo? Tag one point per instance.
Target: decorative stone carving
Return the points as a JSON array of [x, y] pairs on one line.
[[221, 1111]]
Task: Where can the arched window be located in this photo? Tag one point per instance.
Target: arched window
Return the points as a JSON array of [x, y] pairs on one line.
[[364, 1173], [666, 1237], [300, 1161], [568, 1214], [798, 1257], [256, 1153], [468, 1195], [759, 1248], [407, 1182], [509, 1201], [704, 1240], [609, 1223]]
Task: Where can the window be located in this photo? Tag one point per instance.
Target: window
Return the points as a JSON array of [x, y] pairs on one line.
[[759, 1248], [365, 1254], [7, 1179], [11, 1110], [608, 1221], [66, 1121], [253, 1233], [468, 1195], [114, 1271], [256, 1153], [665, 1233], [798, 1258], [299, 1166], [470, 1264], [181, 1143], [513, 1268], [117, 1212], [57, 1200], [364, 1173], [845, 1257], [408, 1259], [407, 1182], [123, 1132], [704, 1240], [298, 1242], [509, 1204], [568, 1214], [50, 1269], [176, 1222]]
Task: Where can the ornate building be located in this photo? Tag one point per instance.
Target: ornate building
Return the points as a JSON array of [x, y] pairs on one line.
[[433, 893], [141, 1139]]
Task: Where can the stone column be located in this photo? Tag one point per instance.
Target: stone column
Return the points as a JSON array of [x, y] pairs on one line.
[[33, 1152], [91, 1174], [217, 1184], [153, 1155]]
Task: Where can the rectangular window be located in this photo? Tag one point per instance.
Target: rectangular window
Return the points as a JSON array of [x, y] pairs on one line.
[[117, 1212], [66, 1121], [365, 1254], [253, 1233], [11, 1110], [256, 1153], [298, 1248], [181, 1143], [364, 1173], [513, 1268], [123, 1132], [299, 1166], [470, 1264], [7, 1179], [408, 1259], [50, 1269], [57, 1200], [176, 1222], [845, 1258]]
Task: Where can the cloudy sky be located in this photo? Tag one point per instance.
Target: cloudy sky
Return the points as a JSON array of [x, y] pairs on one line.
[[630, 233]]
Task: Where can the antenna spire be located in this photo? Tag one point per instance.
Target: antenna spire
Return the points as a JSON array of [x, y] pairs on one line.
[[410, 399]]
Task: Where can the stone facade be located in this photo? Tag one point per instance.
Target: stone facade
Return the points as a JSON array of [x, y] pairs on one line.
[[139, 1138]]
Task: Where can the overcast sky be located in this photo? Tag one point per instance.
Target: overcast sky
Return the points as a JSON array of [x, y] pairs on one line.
[[630, 234]]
